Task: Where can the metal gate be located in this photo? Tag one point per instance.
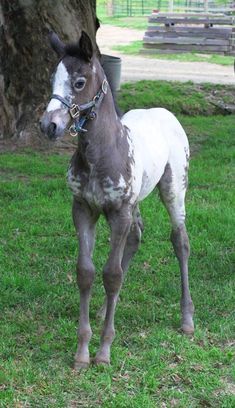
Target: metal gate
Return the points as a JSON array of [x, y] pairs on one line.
[[129, 8]]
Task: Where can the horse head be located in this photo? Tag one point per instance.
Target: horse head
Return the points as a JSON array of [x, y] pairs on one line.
[[78, 85]]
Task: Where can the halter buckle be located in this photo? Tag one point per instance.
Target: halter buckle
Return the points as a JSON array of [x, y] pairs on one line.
[[72, 131], [96, 98], [105, 86], [92, 115], [74, 111]]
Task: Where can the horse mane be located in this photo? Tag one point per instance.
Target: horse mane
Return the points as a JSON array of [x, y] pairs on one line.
[[73, 50]]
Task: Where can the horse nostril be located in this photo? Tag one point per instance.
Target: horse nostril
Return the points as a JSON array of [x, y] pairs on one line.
[[52, 130]]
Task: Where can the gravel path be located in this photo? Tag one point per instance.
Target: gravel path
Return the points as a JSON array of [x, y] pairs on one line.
[[135, 68]]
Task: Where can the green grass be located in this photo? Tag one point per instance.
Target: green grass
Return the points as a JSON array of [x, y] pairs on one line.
[[137, 23], [153, 365], [180, 98], [135, 47]]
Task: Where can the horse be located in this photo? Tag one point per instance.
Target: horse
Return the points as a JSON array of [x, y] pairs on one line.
[[118, 162]]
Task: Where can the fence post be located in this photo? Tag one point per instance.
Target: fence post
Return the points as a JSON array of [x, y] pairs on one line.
[[171, 5], [110, 8]]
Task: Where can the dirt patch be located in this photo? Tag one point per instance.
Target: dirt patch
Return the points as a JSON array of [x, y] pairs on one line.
[[66, 145], [221, 98]]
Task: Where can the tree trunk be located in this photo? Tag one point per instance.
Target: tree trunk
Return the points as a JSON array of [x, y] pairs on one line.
[[26, 60]]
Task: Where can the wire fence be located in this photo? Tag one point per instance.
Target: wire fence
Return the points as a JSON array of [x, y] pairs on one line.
[[129, 8]]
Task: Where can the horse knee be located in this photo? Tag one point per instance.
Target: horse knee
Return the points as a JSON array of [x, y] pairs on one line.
[[112, 278], [85, 334], [180, 242], [85, 274]]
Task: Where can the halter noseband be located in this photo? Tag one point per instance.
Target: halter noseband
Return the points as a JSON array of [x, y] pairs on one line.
[[76, 110]]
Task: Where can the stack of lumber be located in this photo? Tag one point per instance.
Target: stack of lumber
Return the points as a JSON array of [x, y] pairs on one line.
[[202, 33]]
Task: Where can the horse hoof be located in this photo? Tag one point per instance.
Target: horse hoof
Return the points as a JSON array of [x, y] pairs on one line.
[[80, 365], [101, 361], [187, 329]]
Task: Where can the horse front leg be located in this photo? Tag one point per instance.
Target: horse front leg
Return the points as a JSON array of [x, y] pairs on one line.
[[84, 223], [120, 223], [132, 244]]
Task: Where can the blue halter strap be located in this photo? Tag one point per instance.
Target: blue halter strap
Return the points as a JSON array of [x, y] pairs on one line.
[[82, 113]]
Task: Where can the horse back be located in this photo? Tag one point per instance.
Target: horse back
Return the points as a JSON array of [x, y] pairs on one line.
[[156, 138]]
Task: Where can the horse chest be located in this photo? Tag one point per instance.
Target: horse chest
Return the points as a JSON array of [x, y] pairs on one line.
[[98, 193]]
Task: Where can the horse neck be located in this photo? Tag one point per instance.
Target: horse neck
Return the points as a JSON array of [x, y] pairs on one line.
[[103, 131], [108, 123]]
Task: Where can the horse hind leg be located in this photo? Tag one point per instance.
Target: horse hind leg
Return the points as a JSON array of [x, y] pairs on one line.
[[172, 187], [132, 244], [133, 239]]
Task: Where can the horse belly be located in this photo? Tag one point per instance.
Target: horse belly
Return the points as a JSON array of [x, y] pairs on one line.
[[150, 152], [153, 165]]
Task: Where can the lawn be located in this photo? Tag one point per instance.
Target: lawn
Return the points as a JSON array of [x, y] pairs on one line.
[[181, 98], [136, 48], [153, 364]]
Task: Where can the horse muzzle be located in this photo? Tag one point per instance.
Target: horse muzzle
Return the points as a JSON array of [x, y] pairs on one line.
[[53, 125]]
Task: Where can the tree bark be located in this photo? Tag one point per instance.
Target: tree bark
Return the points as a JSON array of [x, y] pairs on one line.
[[26, 60]]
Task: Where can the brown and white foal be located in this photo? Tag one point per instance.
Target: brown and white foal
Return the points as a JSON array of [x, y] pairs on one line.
[[118, 162]]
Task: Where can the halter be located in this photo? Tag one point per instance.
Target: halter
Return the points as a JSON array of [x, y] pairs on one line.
[[89, 109]]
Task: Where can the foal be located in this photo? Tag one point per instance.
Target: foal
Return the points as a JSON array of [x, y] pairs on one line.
[[116, 165]]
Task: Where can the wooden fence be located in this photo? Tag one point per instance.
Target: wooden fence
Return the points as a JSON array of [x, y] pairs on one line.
[[177, 33]]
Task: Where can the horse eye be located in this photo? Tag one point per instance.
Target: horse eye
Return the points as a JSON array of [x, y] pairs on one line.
[[80, 83]]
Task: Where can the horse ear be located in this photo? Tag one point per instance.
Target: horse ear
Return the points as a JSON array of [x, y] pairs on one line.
[[85, 46], [57, 45]]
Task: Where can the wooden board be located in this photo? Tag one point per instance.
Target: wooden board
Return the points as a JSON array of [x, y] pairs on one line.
[[181, 51], [189, 14], [191, 20], [189, 47], [210, 32], [184, 40], [191, 27], [172, 34]]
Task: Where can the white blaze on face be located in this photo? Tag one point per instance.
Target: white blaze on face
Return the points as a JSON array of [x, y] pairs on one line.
[[61, 87]]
